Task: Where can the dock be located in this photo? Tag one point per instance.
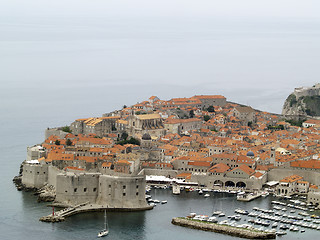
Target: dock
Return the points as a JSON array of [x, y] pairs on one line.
[[224, 229], [247, 197]]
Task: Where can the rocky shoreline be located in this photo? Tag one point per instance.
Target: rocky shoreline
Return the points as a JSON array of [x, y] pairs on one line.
[[224, 229], [45, 194]]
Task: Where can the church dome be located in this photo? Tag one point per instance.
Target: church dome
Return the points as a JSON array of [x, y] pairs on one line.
[[250, 154], [146, 136]]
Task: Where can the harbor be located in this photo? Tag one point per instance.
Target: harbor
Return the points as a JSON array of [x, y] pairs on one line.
[[241, 232], [217, 211], [287, 218]]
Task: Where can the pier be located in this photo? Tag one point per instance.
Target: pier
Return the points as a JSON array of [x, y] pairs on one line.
[[60, 215], [247, 197], [224, 229]]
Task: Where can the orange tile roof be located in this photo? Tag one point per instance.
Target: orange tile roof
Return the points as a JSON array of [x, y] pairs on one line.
[[292, 178], [87, 159], [59, 157], [106, 164], [74, 168], [184, 175], [245, 169], [219, 168], [314, 164], [209, 96], [258, 174], [199, 164], [313, 186]]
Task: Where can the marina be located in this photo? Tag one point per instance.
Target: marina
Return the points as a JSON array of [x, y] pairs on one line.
[[265, 217], [271, 215]]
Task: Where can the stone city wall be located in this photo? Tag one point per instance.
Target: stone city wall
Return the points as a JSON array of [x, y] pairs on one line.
[[308, 175], [122, 192], [54, 131], [34, 175], [52, 175], [77, 188]]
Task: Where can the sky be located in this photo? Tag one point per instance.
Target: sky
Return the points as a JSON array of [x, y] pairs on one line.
[[252, 52]]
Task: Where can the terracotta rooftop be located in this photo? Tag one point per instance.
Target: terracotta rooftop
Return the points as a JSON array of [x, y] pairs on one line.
[[292, 178]]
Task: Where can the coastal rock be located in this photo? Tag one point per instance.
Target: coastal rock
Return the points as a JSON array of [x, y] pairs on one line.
[[20, 186], [51, 219], [304, 101], [46, 194]]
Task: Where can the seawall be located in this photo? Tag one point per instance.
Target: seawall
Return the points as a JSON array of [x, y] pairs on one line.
[[224, 229]]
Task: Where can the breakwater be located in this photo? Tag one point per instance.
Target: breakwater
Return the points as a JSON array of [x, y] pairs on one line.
[[224, 229], [61, 215]]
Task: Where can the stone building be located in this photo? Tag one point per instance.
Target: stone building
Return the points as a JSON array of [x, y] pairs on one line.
[[34, 174], [101, 126], [289, 185], [245, 114], [76, 187], [182, 126], [152, 123], [314, 198], [35, 152], [211, 100]]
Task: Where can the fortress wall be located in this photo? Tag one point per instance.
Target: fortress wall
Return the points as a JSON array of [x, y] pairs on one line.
[[300, 92], [77, 188], [160, 172], [54, 131], [308, 175], [213, 102], [52, 175], [122, 192], [34, 175]]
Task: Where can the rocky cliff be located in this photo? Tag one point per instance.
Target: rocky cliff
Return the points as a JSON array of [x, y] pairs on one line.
[[303, 101]]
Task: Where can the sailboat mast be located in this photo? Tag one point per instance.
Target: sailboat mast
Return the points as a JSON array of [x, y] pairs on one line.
[[105, 219]]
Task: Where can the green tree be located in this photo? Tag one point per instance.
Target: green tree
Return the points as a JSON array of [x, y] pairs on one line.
[[296, 122], [66, 129], [124, 136], [130, 141], [206, 118], [210, 109], [134, 141], [57, 142], [191, 113], [68, 142]]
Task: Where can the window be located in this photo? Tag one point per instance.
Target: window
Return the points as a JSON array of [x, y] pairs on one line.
[[94, 189], [75, 190], [85, 189], [137, 193], [124, 186], [124, 194], [137, 186]]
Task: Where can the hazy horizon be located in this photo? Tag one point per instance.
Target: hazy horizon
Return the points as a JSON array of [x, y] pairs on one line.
[[111, 53]]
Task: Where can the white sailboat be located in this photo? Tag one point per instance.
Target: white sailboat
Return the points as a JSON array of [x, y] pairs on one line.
[[105, 231]]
